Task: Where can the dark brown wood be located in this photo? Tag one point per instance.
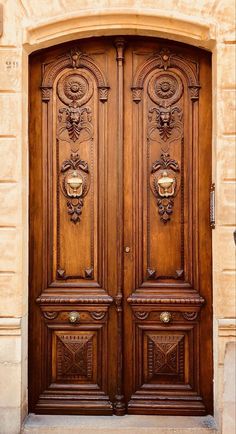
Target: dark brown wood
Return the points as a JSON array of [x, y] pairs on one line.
[[120, 239], [119, 404]]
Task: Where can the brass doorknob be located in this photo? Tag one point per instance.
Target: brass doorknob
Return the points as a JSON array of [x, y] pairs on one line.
[[165, 317], [73, 317]]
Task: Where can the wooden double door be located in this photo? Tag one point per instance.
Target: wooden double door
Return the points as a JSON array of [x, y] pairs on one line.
[[120, 239]]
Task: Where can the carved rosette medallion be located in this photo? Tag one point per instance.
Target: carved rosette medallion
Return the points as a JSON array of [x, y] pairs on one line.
[[74, 181], [74, 90], [164, 184], [165, 89]]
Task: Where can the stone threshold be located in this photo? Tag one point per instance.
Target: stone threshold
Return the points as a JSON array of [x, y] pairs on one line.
[[130, 424]]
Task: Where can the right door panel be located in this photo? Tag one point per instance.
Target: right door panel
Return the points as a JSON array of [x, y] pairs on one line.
[[167, 279]]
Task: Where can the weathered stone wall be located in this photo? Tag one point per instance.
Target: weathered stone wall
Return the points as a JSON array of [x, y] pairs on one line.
[[32, 24]]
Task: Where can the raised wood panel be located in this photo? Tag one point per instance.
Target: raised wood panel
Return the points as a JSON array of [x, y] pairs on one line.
[[74, 357], [76, 368], [74, 90], [76, 150], [164, 357], [164, 125], [166, 367]]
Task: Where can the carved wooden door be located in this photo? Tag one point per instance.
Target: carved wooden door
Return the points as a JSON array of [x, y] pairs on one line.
[[120, 245]]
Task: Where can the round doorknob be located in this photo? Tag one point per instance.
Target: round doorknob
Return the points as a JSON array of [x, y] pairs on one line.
[[165, 317], [73, 317]]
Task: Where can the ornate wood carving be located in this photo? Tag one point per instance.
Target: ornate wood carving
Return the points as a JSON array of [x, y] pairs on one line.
[[141, 315], [164, 169], [50, 315], [88, 274], [165, 60], [74, 356], [76, 60], [190, 316], [153, 275], [98, 315], [50, 299], [73, 170], [75, 90], [165, 355], [133, 299]]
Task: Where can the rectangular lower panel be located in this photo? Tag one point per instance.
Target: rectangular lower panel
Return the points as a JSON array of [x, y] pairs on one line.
[[166, 369], [76, 368]]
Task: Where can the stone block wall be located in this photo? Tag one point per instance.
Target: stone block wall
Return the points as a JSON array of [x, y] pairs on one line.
[[32, 24]]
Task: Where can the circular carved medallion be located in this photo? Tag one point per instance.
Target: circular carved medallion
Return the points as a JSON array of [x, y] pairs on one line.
[[165, 89], [74, 87]]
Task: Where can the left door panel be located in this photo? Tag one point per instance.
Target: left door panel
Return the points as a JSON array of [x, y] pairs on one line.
[[71, 293]]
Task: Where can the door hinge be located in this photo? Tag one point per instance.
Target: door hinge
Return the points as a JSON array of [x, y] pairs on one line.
[[212, 206]]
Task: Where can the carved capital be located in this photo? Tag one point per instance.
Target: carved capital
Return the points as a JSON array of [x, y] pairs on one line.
[[194, 92], [137, 94], [46, 93], [103, 93]]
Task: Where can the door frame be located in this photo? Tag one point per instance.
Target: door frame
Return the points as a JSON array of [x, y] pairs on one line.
[[43, 33]]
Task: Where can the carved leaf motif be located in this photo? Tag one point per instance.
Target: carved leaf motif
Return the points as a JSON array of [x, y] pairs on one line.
[[73, 163], [165, 162]]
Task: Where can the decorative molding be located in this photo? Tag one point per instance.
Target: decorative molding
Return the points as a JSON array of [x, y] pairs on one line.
[[50, 299], [76, 60], [152, 275], [10, 326], [50, 315], [133, 299], [141, 315], [119, 399], [227, 327], [164, 169], [164, 60], [190, 316], [98, 315]]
